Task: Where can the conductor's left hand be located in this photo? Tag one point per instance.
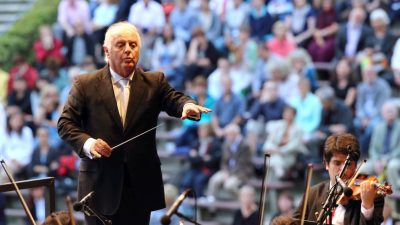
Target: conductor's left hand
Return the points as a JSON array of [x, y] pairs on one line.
[[193, 109]]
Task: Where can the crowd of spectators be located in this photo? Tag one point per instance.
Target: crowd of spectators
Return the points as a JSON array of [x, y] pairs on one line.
[[254, 62]]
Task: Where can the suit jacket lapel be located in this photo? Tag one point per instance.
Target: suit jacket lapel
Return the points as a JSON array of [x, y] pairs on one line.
[[137, 91], [106, 93]]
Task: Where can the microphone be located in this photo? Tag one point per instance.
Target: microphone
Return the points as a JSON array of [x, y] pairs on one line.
[[78, 205], [166, 219], [346, 190]]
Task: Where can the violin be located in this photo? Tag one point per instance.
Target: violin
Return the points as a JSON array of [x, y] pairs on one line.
[[382, 189]]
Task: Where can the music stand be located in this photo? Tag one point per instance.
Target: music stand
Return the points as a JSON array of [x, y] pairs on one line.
[[47, 182]]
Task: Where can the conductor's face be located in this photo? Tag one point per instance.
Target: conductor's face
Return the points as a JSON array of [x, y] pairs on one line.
[[123, 51]]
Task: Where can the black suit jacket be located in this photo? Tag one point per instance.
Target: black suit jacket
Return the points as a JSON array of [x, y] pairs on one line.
[[341, 40], [91, 111], [353, 216]]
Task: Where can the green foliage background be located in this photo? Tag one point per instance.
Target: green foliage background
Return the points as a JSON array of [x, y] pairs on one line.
[[21, 36]]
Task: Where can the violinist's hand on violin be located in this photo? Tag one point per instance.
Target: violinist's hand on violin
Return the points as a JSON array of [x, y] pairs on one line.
[[367, 192]]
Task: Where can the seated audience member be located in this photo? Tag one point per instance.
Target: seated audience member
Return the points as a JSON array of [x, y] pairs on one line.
[[372, 92], [285, 205], [384, 149], [72, 15], [260, 21], [148, 16], [183, 19], [20, 98], [284, 143], [170, 193], [209, 21], [308, 109], [189, 127], [301, 22], [248, 213], [302, 67], [55, 74], [44, 157], [236, 17], [343, 83], [16, 145], [367, 210], [22, 68], [383, 38], [346, 45], [236, 166], [224, 68], [103, 16], [279, 71], [79, 45], [336, 118], [261, 73], [47, 46], [228, 109], [37, 204], [322, 44], [168, 56], [280, 44], [73, 73], [204, 158], [246, 46], [269, 106], [202, 56], [379, 50], [48, 112]]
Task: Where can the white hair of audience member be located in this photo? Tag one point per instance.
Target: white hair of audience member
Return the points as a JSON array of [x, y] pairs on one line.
[[279, 65], [325, 93], [380, 15], [300, 54]]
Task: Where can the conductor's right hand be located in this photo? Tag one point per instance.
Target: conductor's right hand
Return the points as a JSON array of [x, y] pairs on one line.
[[100, 148]]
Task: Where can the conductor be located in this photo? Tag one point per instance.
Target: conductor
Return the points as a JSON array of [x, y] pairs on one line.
[[109, 106]]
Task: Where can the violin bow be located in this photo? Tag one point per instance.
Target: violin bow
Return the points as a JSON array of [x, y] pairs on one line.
[[305, 199]]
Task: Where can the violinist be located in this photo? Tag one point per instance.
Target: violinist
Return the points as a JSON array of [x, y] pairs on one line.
[[367, 210]]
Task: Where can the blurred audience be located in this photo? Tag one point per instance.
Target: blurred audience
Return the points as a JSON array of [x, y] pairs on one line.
[[384, 149], [248, 213], [322, 45], [284, 143], [47, 47], [229, 108], [236, 167], [204, 159]]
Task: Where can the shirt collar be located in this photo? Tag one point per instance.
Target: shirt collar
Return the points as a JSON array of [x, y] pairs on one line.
[[115, 77]]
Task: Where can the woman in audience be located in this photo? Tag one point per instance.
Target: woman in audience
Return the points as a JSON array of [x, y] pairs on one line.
[[343, 84], [168, 56], [301, 22], [16, 145], [21, 68], [47, 46], [48, 112], [280, 44], [322, 45], [204, 159], [248, 212], [302, 67]]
